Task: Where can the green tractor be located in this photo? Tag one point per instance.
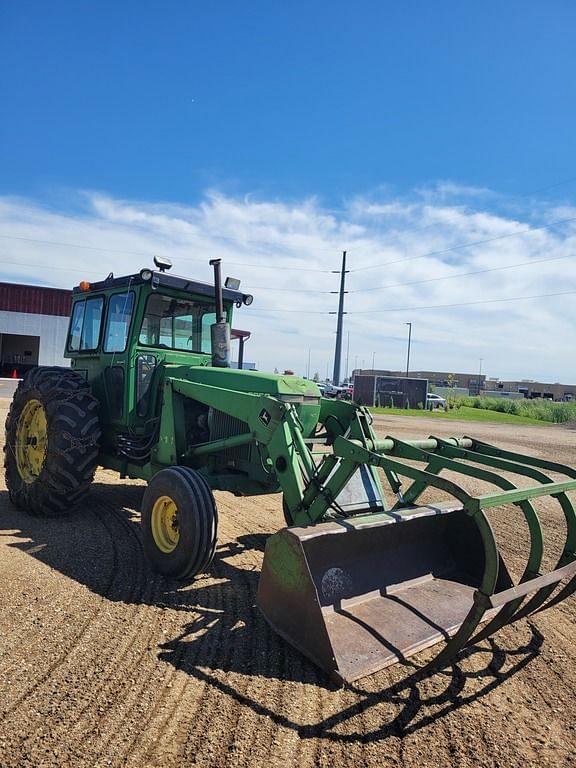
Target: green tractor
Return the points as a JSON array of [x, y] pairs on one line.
[[363, 575]]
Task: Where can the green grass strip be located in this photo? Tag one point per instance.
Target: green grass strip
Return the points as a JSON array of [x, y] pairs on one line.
[[464, 413]]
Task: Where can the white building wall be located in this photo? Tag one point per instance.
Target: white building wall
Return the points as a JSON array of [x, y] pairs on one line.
[[51, 329]]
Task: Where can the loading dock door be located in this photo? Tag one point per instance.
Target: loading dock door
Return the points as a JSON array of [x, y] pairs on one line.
[[18, 352]]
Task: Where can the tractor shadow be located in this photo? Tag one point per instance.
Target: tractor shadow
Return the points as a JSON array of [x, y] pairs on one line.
[[224, 639], [405, 706]]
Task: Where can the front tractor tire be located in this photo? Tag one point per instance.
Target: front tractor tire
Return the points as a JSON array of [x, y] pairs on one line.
[[179, 523], [52, 441]]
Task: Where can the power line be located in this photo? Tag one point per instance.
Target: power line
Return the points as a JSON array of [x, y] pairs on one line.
[[287, 290], [84, 271], [467, 245], [74, 245], [549, 186], [429, 306], [297, 269], [463, 274], [318, 292], [181, 258], [43, 266], [419, 282], [300, 268], [462, 304], [297, 311], [357, 290]]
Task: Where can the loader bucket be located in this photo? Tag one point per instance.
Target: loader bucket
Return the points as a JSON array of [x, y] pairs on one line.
[[358, 595]]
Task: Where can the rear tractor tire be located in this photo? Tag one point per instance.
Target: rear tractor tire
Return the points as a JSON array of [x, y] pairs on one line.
[[52, 441], [179, 523]]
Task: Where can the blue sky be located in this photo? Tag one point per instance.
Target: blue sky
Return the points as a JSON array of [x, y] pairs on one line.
[[276, 134], [158, 100]]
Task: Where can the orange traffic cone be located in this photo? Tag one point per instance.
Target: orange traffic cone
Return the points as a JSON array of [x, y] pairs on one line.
[[14, 374]]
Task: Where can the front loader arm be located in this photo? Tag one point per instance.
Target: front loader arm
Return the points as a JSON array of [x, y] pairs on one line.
[[309, 488], [271, 423]]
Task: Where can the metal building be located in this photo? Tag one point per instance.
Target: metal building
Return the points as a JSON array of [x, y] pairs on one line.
[[389, 391], [33, 326]]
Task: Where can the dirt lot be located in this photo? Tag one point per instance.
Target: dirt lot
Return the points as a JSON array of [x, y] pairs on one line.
[[103, 663]]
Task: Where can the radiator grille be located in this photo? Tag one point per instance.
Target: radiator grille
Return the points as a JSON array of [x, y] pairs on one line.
[[222, 425]]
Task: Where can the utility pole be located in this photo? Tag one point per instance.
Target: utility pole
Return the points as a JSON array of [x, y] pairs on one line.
[[373, 358], [408, 354], [339, 324], [308, 368], [480, 375]]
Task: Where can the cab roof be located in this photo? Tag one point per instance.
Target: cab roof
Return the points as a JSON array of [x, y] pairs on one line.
[[163, 280]]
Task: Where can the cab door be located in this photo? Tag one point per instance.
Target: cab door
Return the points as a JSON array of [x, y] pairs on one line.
[[115, 355]]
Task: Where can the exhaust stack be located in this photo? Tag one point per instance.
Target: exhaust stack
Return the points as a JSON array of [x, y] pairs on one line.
[[220, 330]]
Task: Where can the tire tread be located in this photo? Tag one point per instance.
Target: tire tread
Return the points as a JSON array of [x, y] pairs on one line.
[[200, 514], [73, 441]]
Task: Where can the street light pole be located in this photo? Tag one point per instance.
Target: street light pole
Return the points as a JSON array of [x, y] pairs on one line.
[[408, 354], [480, 375]]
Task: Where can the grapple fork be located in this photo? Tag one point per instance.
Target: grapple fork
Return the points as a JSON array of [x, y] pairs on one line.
[[357, 593]]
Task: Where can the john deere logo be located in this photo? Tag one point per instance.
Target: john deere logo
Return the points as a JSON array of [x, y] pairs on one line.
[[265, 417]]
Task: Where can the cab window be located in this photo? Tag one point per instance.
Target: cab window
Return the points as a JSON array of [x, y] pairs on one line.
[[85, 325], [177, 324], [76, 326], [120, 309]]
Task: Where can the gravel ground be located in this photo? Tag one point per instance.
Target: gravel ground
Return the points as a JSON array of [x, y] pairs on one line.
[[102, 663]]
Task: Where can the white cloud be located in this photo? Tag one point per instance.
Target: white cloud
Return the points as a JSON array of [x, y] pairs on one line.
[[284, 252], [445, 189]]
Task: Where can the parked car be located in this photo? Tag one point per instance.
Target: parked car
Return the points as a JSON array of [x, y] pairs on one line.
[[435, 401]]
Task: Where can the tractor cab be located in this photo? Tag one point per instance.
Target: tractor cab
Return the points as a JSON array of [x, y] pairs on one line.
[[124, 330]]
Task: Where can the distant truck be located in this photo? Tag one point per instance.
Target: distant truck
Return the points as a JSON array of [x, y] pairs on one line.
[[342, 393]]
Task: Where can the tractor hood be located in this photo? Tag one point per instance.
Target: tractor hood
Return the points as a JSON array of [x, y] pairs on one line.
[[290, 389], [304, 394]]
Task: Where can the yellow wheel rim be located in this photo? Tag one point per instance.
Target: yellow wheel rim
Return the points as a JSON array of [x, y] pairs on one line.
[[165, 529], [31, 441]]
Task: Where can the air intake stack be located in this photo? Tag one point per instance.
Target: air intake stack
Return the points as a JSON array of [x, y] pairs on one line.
[[220, 330]]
